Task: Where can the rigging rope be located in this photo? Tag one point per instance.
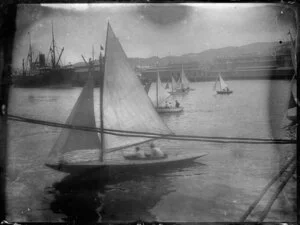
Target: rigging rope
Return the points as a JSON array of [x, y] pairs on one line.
[[277, 192], [267, 187], [156, 135]]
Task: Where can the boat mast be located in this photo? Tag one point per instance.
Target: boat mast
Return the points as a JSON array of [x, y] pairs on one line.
[[30, 52], [53, 49], [101, 96], [157, 88]]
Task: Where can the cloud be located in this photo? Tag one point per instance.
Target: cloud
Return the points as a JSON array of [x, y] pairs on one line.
[[164, 15]]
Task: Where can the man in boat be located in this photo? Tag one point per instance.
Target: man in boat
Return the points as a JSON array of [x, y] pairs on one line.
[[156, 152], [138, 153], [177, 104]]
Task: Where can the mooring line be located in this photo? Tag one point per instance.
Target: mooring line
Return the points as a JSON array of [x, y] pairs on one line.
[[156, 135]]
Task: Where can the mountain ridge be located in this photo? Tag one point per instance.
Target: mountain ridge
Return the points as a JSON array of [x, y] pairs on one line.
[[206, 56]]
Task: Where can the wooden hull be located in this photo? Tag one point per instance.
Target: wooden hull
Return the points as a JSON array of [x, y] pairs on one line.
[[123, 165], [224, 92], [169, 110]]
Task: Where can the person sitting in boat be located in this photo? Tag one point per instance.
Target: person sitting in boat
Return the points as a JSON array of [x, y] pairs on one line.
[[156, 152], [138, 153], [177, 104]]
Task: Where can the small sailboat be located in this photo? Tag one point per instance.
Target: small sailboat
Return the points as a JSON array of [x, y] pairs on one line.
[[160, 98], [124, 106], [174, 86], [223, 88], [182, 85]]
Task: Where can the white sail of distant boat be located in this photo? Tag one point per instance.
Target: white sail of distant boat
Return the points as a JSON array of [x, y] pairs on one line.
[[185, 83], [222, 88], [174, 84], [157, 93], [223, 85], [125, 106]]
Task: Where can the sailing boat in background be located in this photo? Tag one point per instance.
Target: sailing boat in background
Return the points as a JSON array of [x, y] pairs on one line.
[[124, 106], [223, 88], [182, 85], [159, 96], [174, 86]]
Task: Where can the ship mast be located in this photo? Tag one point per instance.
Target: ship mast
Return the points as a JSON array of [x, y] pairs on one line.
[[53, 49], [30, 52], [157, 89]]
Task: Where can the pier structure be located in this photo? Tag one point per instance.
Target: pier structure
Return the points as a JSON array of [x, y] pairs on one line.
[[244, 67]]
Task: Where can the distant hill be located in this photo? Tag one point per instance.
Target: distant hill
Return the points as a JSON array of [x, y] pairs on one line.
[[207, 56]]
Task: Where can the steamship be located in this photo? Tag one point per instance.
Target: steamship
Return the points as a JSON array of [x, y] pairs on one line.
[[39, 73]]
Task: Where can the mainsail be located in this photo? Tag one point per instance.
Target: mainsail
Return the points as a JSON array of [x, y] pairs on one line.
[[223, 85], [126, 106], [81, 115], [157, 93], [184, 81]]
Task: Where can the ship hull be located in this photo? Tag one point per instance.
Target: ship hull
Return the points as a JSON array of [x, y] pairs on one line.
[[56, 78], [224, 92], [125, 165], [169, 110]]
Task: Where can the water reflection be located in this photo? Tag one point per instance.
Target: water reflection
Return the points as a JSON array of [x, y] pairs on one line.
[[123, 196]]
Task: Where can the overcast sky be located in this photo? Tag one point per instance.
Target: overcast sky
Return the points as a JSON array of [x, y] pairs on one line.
[[148, 30]]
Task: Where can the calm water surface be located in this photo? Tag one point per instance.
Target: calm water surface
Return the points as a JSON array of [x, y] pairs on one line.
[[219, 187]]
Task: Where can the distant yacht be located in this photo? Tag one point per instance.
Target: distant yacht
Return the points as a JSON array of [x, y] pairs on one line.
[[222, 87]]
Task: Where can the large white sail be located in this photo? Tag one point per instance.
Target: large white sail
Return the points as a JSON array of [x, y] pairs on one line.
[[126, 105], [223, 85]]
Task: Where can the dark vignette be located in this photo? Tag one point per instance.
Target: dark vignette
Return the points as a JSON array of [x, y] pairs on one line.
[[8, 11]]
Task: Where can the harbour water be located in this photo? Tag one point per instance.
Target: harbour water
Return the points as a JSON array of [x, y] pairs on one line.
[[218, 188]]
